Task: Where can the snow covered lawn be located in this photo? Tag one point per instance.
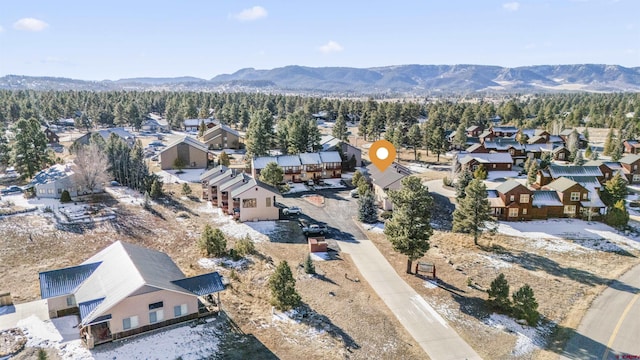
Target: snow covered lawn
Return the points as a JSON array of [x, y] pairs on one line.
[[297, 187], [376, 228], [258, 231], [494, 175], [183, 341], [553, 234], [125, 195]]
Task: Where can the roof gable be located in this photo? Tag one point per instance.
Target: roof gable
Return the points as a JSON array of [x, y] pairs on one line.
[[562, 184], [189, 141], [209, 174], [64, 281], [508, 186], [630, 159]]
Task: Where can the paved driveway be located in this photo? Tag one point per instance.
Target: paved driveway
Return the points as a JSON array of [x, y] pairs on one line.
[[23, 311], [426, 326]]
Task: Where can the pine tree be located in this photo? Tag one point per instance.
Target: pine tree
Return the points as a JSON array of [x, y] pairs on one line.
[[617, 216], [499, 293], [186, 189], [608, 143], [367, 210], [259, 134], [5, 156], [339, 130], [532, 174], [223, 159], [588, 152], [201, 128], [480, 173], [65, 197], [355, 179], [525, 305], [464, 179], [29, 151], [213, 242], [414, 139], [283, 288], [438, 143], [272, 174], [585, 133], [616, 151], [409, 229], [473, 212], [578, 160], [460, 139], [614, 190], [156, 189], [309, 268]]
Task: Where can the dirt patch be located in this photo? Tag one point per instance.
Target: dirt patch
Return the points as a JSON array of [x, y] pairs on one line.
[[11, 341], [316, 200]]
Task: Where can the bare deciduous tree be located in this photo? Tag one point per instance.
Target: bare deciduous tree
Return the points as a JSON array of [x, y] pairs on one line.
[[90, 168]]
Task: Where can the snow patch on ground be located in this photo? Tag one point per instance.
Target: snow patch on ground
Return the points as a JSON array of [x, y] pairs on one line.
[[528, 338], [418, 168], [493, 175], [320, 256], [179, 342], [584, 236], [217, 263], [287, 316], [297, 187], [187, 175], [375, 228], [230, 227], [430, 284], [496, 263], [126, 195]]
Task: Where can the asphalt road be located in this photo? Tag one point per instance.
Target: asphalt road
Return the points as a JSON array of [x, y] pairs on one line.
[[426, 326], [611, 327]]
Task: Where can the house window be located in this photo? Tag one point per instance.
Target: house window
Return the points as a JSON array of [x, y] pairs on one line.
[[180, 310], [606, 175], [156, 316], [59, 191], [575, 196], [475, 167], [585, 196], [524, 211], [513, 212], [512, 152], [561, 156], [636, 178], [494, 166], [268, 201], [71, 301], [524, 198], [512, 198], [570, 209], [538, 179], [130, 323], [635, 167], [249, 203], [508, 166], [156, 305]]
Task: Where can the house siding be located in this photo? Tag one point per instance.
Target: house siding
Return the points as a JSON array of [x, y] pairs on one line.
[[196, 157], [139, 306], [216, 140], [261, 211], [516, 192]]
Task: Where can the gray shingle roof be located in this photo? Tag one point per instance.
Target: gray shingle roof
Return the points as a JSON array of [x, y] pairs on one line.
[[249, 185], [561, 184], [189, 141], [288, 160], [497, 158], [310, 159], [392, 174], [630, 159], [330, 157], [261, 162], [507, 186], [211, 173], [223, 128]]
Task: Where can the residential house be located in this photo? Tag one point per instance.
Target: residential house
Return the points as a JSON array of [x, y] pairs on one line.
[[259, 163], [555, 171], [122, 133], [254, 201], [546, 204], [504, 131], [212, 193], [68, 123], [608, 169], [193, 125], [571, 194], [491, 162], [124, 290], [630, 165], [155, 125], [192, 153], [486, 136], [206, 176], [311, 166], [582, 141], [508, 145], [51, 182], [631, 146], [559, 153], [52, 137], [330, 143], [477, 149], [291, 167], [383, 181], [226, 186], [331, 164], [474, 130], [516, 200], [536, 136], [221, 137]]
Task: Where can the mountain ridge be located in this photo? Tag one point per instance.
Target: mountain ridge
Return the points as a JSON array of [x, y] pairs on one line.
[[407, 79]]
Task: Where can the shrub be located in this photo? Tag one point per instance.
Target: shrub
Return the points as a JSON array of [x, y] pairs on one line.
[[233, 254], [213, 241], [499, 293], [245, 246], [156, 189], [446, 181], [186, 189], [525, 305], [480, 173], [42, 354], [65, 197], [386, 215], [309, 268]]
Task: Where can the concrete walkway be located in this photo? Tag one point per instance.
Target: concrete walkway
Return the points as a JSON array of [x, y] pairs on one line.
[[426, 326], [23, 311]]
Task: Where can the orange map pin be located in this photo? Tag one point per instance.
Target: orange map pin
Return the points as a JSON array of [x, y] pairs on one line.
[[382, 153]]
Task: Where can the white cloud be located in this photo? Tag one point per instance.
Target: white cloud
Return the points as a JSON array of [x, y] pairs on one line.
[[511, 6], [30, 24], [331, 47], [251, 14]]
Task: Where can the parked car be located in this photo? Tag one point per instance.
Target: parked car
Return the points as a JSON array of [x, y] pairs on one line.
[[354, 193], [156, 143], [315, 229], [13, 189], [293, 210], [115, 183], [310, 182]]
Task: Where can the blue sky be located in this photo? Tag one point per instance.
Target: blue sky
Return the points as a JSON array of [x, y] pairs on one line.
[[115, 39]]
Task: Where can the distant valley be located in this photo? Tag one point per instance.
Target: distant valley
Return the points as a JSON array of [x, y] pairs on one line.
[[401, 79]]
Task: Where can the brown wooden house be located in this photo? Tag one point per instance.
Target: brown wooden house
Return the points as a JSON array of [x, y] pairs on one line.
[[491, 162], [517, 200], [571, 195], [474, 130], [631, 146], [631, 167]]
